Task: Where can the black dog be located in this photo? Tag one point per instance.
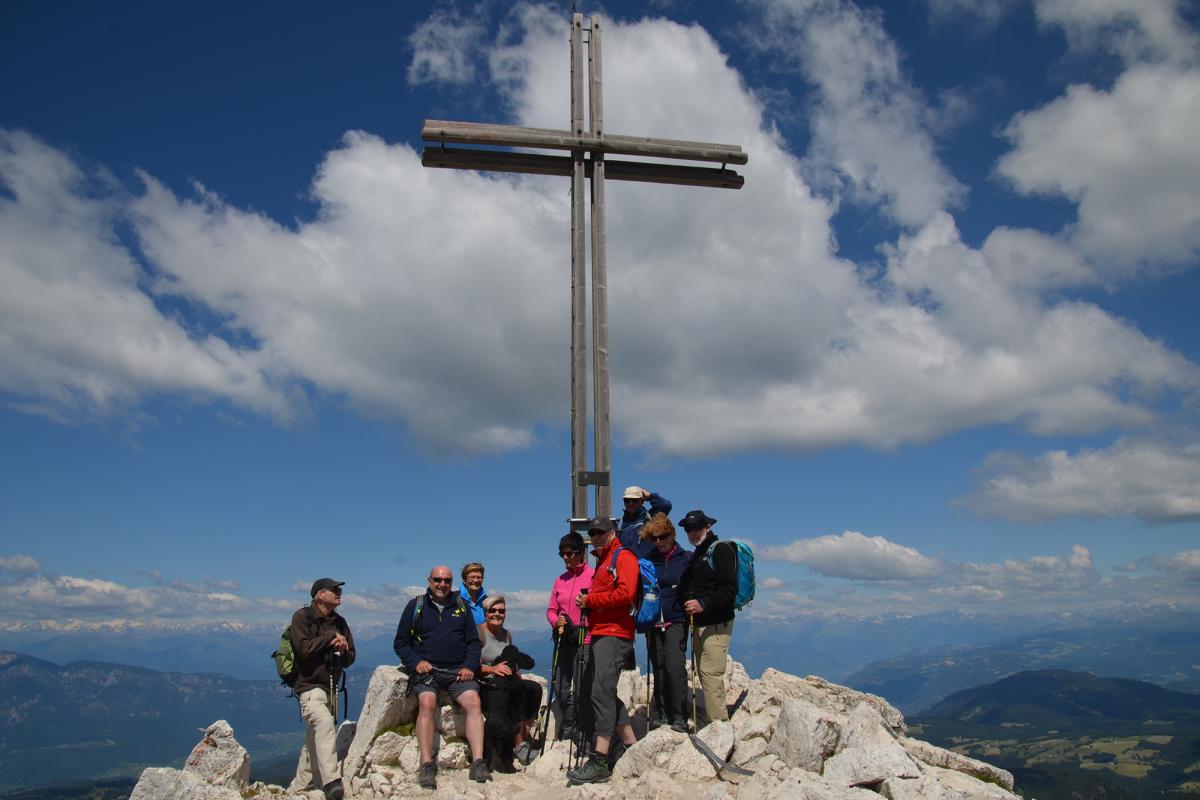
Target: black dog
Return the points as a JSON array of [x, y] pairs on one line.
[[504, 708]]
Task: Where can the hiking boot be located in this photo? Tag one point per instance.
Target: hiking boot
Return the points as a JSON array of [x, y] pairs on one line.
[[333, 790], [479, 771], [525, 753], [427, 777], [594, 771], [656, 720], [679, 725]]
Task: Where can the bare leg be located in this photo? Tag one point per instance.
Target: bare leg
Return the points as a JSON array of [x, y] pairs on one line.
[[425, 714], [470, 704]]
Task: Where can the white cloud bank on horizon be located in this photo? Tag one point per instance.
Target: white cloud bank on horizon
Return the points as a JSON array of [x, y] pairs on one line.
[[1042, 584], [389, 302]]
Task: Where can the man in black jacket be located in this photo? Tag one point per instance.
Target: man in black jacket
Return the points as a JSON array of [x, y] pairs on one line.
[[439, 648], [709, 586], [324, 647]]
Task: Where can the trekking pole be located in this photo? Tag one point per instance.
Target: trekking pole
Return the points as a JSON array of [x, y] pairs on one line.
[[658, 688], [332, 684], [695, 671], [550, 693]]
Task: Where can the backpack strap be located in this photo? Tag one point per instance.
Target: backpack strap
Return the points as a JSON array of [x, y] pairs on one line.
[[412, 633], [612, 564]]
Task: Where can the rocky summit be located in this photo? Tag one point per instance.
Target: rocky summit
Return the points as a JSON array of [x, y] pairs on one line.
[[802, 738]]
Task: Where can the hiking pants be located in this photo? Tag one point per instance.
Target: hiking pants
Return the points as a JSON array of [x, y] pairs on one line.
[[712, 646], [610, 654], [320, 746], [572, 704], [668, 655]]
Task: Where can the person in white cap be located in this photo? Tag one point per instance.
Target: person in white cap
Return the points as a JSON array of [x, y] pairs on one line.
[[629, 533], [324, 647]]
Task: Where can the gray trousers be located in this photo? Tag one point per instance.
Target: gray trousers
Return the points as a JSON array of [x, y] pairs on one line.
[[610, 654]]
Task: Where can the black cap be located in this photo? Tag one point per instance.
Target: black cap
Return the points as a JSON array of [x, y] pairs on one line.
[[696, 518], [601, 524], [325, 583]]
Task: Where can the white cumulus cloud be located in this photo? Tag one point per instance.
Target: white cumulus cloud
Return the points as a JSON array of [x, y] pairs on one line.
[[439, 298], [1134, 29], [1155, 481], [853, 555], [1127, 157], [19, 564]]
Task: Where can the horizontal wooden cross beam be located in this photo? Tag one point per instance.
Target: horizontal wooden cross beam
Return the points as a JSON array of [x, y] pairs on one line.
[[533, 163], [435, 130]]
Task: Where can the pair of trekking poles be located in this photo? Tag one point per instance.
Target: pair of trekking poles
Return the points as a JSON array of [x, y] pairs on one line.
[[578, 742]]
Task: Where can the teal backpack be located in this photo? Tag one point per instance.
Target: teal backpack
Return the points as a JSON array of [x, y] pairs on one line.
[[745, 571]]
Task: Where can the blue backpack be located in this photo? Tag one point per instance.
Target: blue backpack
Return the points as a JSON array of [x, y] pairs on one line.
[[745, 571], [647, 608]]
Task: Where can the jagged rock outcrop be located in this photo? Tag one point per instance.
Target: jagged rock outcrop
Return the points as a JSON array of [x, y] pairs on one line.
[[803, 738], [219, 759]]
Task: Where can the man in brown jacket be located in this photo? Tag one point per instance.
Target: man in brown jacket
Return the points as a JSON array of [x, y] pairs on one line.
[[324, 647]]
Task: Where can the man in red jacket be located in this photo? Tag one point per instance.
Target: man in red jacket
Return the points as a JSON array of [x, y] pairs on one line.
[[609, 605]]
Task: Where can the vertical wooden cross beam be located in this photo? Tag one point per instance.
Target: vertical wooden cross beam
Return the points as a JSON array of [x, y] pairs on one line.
[[589, 147]]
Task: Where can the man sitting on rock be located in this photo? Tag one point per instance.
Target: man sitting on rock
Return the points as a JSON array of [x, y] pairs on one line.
[[323, 645], [439, 648]]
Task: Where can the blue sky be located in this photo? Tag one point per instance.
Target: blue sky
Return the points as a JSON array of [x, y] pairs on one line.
[[940, 353]]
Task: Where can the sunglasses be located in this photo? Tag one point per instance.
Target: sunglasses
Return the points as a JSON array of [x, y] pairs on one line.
[[497, 612], [664, 537], [567, 553], [441, 580]]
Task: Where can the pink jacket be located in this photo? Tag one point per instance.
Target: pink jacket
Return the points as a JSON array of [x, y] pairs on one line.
[[562, 596]]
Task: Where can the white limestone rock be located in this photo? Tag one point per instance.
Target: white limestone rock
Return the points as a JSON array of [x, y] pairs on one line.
[[453, 755], [805, 735], [552, 764], [737, 680], [690, 764], [385, 706], [774, 687], [164, 783], [653, 752], [863, 727], [870, 765], [936, 756], [218, 758], [387, 748], [942, 784]]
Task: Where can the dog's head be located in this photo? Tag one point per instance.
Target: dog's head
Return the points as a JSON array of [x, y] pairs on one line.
[[515, 658]]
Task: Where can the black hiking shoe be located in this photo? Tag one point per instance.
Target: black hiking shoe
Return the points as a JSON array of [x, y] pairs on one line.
[[479, 771], [594, 771], [333, 790], [679, 725], [427, 777]]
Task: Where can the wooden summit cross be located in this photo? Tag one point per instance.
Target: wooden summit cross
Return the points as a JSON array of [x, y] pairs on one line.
[[588, 149]]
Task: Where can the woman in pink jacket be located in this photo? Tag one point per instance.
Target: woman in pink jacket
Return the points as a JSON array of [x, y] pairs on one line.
[[567, 622]]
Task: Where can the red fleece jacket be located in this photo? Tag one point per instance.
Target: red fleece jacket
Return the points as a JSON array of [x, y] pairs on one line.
[[610, 602]]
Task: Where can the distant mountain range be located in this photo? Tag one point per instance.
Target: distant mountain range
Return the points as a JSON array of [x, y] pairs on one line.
[[1073, 734], [1160, 650], [832, 646], [91, 719]]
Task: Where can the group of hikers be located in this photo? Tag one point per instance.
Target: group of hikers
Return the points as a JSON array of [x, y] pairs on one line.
[[456, 642]]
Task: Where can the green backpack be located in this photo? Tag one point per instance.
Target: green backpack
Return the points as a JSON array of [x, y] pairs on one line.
[[285, 659]]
